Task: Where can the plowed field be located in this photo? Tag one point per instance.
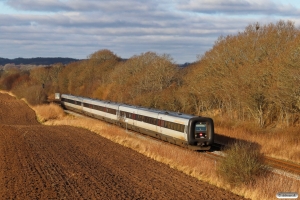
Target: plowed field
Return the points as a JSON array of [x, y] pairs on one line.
[[61, 162]]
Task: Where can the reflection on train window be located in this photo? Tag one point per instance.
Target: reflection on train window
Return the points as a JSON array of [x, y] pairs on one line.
[[200, 126]]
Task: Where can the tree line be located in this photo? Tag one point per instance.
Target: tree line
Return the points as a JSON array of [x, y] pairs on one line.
[[36, 61], [251, 76]]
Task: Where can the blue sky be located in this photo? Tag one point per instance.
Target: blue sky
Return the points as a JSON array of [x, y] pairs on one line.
[[183, 29]]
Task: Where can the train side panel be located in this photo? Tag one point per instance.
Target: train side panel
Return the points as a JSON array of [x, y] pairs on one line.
[[196, 133]]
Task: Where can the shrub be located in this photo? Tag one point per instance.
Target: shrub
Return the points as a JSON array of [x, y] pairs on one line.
[[242, 164], [48, 112]]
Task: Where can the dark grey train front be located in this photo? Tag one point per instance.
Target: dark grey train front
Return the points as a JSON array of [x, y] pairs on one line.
[[185, 130]]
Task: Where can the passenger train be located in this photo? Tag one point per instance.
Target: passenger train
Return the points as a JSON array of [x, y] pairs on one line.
[[193, 132]]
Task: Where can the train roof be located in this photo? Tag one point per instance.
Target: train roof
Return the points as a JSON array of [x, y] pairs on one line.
[[165, 112]]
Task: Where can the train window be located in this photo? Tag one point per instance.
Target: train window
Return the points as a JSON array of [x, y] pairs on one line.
[[172, 126], [111, 111], [162, 123], [166, 124], [200, 126], [181, 128], [178, 127], [175, 127]]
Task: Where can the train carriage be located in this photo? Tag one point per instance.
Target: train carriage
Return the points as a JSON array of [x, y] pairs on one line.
[[72, 102], [190, 131]]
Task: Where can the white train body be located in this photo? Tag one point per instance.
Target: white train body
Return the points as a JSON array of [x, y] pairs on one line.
[[190, 131]]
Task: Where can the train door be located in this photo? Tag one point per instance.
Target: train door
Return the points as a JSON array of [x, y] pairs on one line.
[[160, 124], [185, 132], [133, 118], [118, 113]]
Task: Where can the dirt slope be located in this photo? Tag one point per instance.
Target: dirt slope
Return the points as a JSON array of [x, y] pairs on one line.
[[61, 162]]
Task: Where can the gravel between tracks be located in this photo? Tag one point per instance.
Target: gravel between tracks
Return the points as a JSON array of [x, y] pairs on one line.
[[62, 162]]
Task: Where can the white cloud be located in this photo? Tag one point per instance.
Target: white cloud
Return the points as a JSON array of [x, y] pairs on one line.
[[238, 7], [77, 28]]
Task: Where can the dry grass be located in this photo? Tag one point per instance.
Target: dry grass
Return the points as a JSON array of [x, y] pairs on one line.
[[7, 92], [283, 145], [191, 163], [48, 112]]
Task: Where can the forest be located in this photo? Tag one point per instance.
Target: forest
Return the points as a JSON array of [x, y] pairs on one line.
[[36, 61], [252, 77]]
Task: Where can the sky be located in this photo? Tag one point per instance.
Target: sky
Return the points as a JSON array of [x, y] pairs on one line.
[[183, 29]]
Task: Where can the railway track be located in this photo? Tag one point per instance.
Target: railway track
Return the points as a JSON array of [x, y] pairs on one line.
[[283, 165], [216, 153], [274, 163]]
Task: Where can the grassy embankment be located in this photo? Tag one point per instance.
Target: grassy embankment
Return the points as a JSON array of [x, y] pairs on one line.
[[191, 163], [282, 143]]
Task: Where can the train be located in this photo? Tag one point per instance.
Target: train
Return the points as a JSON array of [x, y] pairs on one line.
[[189, 131]]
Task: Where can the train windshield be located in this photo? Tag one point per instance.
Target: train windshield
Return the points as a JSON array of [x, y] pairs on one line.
[[200, 126]]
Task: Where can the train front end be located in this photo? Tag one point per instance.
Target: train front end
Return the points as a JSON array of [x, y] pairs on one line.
[[200, 133]]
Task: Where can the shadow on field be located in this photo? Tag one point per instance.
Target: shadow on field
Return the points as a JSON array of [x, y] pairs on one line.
[[222, 141]]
